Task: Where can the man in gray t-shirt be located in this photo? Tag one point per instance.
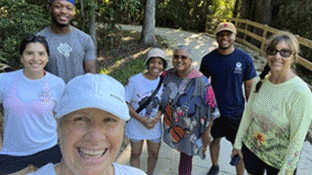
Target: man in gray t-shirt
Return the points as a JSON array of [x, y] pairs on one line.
[[72, 52]]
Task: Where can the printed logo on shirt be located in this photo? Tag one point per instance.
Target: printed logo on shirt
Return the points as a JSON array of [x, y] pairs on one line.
[[238, 68], [46, 100], [64, 49]]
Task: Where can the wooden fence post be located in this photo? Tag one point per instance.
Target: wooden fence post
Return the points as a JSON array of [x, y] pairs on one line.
[[264, 37], [245, 29]]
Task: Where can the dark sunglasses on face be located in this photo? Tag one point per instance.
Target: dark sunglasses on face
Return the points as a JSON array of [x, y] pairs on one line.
[[183, 57], [283, 52]]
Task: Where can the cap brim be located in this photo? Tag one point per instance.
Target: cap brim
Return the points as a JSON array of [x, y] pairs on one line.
[[107, 103], [225, 30]]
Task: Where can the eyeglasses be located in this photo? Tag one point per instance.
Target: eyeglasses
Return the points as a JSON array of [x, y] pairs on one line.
[[183, 57], [283, 52]]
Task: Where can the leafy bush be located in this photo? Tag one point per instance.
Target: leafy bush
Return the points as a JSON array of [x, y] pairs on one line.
[[188, 15], [17, 18]]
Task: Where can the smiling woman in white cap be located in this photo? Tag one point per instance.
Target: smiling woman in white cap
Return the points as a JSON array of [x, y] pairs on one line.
[[91, 118], [144, 123]]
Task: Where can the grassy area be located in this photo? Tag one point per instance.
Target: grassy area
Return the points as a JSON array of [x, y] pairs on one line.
[[121, 55]]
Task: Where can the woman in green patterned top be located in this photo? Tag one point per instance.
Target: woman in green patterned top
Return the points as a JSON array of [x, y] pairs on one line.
[[278, 113]]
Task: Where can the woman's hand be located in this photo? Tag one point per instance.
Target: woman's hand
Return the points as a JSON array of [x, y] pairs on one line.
[[147, 123], [152, 123], [206, 137], [237, 152]]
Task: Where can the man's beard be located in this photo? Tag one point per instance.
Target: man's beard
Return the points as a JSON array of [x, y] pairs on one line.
[[58, 24]]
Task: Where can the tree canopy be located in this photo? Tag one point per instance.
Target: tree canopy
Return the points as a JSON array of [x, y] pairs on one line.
[[20, 17]]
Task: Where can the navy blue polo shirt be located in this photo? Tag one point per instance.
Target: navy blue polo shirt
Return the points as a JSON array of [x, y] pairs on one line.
[[228, 73]]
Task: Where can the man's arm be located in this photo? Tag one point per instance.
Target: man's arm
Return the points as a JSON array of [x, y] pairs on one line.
[[248, 85], [90, 67]]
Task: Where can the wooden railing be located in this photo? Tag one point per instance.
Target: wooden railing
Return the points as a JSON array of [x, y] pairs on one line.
[[243, 28]]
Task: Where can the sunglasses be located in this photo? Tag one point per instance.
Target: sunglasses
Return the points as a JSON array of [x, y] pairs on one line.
[[183, 57], [283, 52]]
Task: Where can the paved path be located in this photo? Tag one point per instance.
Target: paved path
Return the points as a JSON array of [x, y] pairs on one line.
[[169, 158]]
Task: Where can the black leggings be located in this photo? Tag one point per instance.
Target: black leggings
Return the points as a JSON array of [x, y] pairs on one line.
[[256, 166]]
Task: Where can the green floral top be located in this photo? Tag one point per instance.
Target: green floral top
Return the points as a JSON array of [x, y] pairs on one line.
[[275, 123]]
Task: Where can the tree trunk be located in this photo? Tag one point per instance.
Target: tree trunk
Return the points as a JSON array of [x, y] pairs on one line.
[[236, 9], [82, 15], [148, 29], [263, 11], [92, 25]]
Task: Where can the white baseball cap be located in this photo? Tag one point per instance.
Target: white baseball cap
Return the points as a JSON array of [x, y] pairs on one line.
[[93, 91]]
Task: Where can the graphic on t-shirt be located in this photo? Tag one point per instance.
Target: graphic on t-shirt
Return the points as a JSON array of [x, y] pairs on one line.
[[238, 68], [64, 49], [151, 108]]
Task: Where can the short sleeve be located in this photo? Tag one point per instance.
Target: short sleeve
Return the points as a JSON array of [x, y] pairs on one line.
[[59, 92], [250, 71], [57, 89], [129, 90], [2, 88], [89, 50], [204, 67]]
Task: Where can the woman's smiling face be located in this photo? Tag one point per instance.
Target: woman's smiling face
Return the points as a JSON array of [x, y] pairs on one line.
[[181, 61], [90, 140], [277, 62], [35, 57]]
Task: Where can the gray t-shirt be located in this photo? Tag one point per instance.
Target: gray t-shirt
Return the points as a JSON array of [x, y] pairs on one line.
[[68, 52]]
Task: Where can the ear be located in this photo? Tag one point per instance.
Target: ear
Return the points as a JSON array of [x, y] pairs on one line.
[[22, 60], [59, 133]]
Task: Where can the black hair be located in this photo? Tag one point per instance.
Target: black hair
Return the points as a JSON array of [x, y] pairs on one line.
[[34, 39], [265, 71]]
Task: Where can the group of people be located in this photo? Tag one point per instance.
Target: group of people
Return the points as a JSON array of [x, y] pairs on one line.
[[60, 119], [267, 134]]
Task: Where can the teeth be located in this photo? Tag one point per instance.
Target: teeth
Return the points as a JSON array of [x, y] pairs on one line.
[[63, 18], [91, 153]]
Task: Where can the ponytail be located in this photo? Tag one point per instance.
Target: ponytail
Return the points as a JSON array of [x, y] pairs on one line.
[[265, 71]]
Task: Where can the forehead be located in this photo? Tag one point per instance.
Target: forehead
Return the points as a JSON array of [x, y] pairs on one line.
[[62, 2], [224, 32], [282, 45], [35, 46], [181, 52], [158, 59]]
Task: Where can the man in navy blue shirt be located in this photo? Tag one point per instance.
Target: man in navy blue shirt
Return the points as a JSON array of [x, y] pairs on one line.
[[229, 68]]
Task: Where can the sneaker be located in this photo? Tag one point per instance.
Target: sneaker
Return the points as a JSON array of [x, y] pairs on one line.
[[214, 170]]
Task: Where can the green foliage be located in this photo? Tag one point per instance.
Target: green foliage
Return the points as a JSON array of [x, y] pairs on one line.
[[18, 18], [296, 17], [112, 11], [223, 8], [185, 14]]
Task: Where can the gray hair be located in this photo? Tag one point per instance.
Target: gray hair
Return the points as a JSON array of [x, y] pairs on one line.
[[188, 49]]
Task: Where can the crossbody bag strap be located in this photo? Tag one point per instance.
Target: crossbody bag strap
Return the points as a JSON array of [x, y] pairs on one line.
[[151, 97]]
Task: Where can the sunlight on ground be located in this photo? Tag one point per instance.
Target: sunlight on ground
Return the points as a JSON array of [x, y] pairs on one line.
[[128, 38]]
